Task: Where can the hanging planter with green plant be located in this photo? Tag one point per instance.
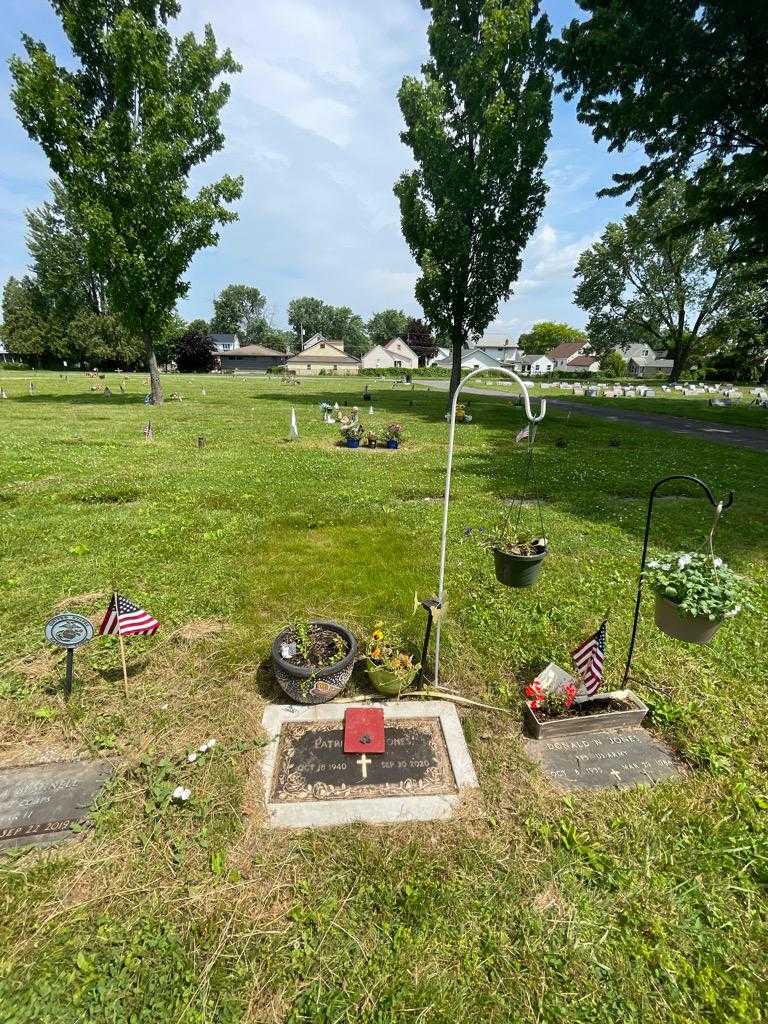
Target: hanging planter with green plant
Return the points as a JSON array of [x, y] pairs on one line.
[[695, 594]]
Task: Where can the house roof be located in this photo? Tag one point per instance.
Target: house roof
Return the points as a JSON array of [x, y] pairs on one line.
[[402, 342], [534, 357], [583, 361], [314, 355], [566, 350], [251, 350], [658, 364]]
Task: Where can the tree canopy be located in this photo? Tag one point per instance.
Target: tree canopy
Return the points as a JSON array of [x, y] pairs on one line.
[[388, 324], [195, 353], [122, 130], [421, 339], [477, 121], [59, 311], [643, 281], [239, 309], [309, 316], [686, 81], [547, 334]]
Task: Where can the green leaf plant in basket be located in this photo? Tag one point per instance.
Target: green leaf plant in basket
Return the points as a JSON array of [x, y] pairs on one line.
[[391, 668], [518, 556], [695, 593]]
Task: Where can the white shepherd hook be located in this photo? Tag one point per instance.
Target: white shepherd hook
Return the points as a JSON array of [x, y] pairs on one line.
[[533, 420]]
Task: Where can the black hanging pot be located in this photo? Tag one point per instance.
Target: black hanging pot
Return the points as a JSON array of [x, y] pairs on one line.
[[518, 570]]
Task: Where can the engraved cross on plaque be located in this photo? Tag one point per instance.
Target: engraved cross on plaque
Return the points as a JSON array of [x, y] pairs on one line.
[[364, 761]]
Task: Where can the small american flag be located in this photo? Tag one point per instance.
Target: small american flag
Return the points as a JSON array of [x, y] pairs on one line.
[[522, 435], [588, 659], [124, 618]]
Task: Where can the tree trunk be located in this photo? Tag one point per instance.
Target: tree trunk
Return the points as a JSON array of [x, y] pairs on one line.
[[457, 346], [680, 360], [154, 371], [764, 375]]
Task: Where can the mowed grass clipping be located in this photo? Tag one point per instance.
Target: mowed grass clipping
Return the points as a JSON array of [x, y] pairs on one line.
[[635, 906]]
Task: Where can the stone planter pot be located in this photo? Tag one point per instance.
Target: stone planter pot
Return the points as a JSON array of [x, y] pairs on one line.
[[393, 443], [385, 681], [517, 570], [314, 686], [353, 442], [675, 623], [575, 726]]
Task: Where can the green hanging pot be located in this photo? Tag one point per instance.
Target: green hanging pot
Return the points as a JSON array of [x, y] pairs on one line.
[[518, 570]]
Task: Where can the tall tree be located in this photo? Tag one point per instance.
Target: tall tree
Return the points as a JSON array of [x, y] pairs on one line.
[[308, 316], [478, 122], [645, 281], [195, 353], [59, 311], [388, 324], [239, 309], [421, 339], [686, 80], [547, 335], [122, 131]]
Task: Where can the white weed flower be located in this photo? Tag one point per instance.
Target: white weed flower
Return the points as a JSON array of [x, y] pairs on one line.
[[192, 757], [212, 743], [203, 748], [181, 793], [684, 560], [718, 562]]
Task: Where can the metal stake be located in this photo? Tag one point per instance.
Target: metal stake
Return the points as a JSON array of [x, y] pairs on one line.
[[70, 673], [713, 502], [533, 420]]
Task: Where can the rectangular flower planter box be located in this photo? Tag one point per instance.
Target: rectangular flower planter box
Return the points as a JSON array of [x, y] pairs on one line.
[[553, 728]]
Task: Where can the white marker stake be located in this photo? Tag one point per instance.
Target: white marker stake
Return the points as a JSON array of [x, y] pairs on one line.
[[294, 433]]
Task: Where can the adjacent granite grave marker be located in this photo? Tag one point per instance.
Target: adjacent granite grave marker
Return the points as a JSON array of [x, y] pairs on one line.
[[310, 781], [40, 803], [605, 759]]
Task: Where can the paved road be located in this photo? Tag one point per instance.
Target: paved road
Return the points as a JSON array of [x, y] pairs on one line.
[[704, 430]]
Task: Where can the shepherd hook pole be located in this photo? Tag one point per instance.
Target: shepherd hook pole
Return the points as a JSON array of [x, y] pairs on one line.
[[533, 420]]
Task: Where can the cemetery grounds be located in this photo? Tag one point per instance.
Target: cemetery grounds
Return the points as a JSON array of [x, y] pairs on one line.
[[642, 905]]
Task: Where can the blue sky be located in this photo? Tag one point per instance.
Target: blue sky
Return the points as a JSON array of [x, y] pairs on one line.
[[313, 125]]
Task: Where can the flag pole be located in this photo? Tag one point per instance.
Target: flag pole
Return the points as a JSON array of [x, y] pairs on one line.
[[122, 643]]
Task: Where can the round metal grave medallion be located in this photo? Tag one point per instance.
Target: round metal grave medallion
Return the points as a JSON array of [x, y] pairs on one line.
[[68, 630]]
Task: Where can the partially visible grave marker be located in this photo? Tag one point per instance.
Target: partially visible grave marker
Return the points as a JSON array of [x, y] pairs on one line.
[[606, 759], [40, 803]]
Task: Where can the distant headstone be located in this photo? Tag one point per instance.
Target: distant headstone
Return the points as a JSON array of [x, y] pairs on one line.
[[605, 759], [40, 803]]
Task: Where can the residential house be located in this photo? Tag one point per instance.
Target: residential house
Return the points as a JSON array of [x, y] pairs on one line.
[[506, 352], [640, 367], [562, 355], [437, 358], [396, 353], [325, 355], [535, 364], [471, 359], [225, 342], [250, 359], [638, 350], [582, 364]]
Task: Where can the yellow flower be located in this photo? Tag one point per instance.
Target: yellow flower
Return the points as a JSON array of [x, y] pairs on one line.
[[376, 653], [377, 635]]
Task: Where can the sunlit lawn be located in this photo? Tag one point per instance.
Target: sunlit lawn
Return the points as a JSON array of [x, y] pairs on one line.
[[646, 905]]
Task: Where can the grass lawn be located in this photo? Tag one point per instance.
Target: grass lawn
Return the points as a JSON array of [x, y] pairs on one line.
[[597, 908], [693, 407]]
